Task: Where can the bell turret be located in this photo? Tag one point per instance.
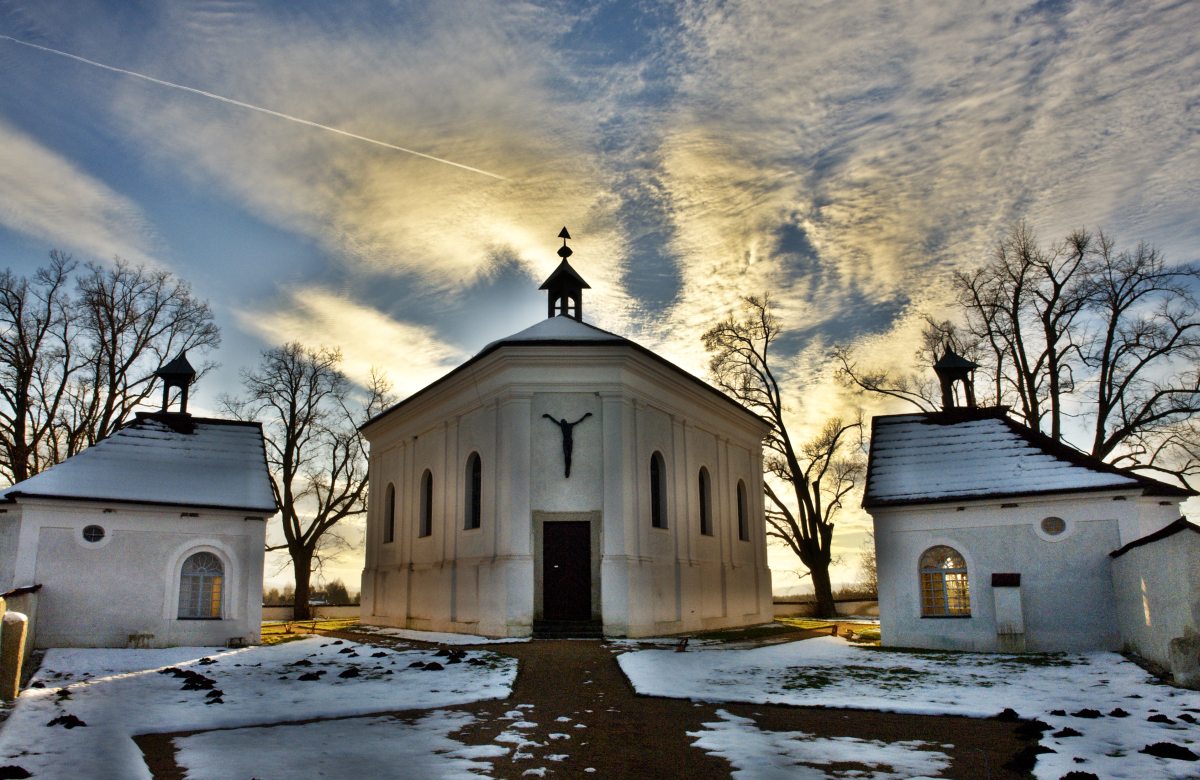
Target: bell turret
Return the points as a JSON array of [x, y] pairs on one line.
[[564, 287], [178, 373], [951, 368]]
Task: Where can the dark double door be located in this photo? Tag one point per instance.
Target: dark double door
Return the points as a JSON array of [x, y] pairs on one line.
[[567, 570]]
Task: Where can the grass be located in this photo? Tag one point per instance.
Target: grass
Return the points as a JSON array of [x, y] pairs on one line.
[[806, 623], [289, 630], [891, 678]]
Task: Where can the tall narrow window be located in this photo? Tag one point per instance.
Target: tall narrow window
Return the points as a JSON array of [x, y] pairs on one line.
[[743, 513], [474, 502], [201, 586], [426, 504], [945, 591], [658, 491], [389, 514], [706, 525]]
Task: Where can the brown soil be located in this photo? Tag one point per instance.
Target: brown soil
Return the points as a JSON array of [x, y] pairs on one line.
[[585, 709]]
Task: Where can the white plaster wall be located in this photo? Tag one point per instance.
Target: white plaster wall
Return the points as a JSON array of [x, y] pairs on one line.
[[10, 526], [1158, 595], [482, 581], [1066, 592], [97, 594], [1149, 514]]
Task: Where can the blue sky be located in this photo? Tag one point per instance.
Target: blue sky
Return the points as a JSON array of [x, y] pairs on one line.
[[846, 156]]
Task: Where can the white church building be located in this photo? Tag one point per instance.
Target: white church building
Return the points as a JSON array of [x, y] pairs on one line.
[[151, 537], [566, 480], [991, 536]]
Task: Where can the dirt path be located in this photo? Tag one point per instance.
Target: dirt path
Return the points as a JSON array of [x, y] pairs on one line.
[[573, 712]]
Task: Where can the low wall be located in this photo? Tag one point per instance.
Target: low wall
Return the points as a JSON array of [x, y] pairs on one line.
[[1158, 602], [796, 608], [323, 611]]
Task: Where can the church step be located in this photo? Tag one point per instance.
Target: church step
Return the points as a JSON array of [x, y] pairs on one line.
[[567, 629]]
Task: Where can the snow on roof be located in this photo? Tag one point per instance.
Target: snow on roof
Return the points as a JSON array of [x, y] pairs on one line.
[[964, 454], [554, 331], [560, 328], [220, 464]]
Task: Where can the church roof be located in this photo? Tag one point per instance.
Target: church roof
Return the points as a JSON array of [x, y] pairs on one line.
[[558, 332], [965, 454], [175, 460]]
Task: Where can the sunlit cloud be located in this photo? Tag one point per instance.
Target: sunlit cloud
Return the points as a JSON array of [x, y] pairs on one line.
[[411, 356], [48, 198]]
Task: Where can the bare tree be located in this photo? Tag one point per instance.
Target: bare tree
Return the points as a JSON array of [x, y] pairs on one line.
[[806, 484], [74, 366], [317, 459], [1085, 336]]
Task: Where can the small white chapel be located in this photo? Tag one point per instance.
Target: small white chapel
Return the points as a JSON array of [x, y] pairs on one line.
[[566, 481], [151, 537], [991, 536]]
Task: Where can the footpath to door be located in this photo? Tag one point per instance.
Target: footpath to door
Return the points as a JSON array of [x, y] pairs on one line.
[[574, 713]]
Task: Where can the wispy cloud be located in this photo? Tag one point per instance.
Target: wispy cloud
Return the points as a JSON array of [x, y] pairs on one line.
[[50, 199], [410, 355], [247, 106], [492, 106]]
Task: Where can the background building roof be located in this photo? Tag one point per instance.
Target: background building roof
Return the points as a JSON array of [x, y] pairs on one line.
[[219, 464], [981, 453]]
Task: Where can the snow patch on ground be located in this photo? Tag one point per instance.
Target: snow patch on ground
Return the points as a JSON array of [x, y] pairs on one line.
[[829, 672], [120, 693], [796, 755], [381, 747]]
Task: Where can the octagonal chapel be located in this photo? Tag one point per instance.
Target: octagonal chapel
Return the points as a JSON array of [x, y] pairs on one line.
[[566, 481]]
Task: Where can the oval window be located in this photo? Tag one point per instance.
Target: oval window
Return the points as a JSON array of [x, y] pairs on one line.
[[93, 533], [1053, 526]]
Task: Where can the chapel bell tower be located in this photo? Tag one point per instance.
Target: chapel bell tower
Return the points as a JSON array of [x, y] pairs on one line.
[[564, 287], [951, 368], [178, 373]]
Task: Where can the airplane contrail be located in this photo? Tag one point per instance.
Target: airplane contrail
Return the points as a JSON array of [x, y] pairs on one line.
[[251, 107]]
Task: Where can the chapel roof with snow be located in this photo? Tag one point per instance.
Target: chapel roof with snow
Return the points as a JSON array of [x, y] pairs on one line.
[[168, 459], [965, 454], [563, 327]]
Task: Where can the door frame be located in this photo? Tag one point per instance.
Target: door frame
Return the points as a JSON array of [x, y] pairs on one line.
[[539, 520]]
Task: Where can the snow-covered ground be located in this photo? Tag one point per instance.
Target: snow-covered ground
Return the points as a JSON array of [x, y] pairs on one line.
[[249, 706], [119, 693], [1101, 709]]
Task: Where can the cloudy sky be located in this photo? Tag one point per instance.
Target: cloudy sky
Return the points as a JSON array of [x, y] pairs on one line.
[[843, 155]]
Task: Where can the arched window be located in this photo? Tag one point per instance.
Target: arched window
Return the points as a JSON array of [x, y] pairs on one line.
[[474, 497], [201, 586], [743, 513], [426, 504], [945, 591], [658, 491], [389, 514], [706, 524]]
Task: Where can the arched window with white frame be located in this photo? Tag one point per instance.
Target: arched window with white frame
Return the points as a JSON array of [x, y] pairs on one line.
[[474, 496], [945, 587], [658, 491], [201, 587], [705, 485], [743, 513], [426, 528], [389, 515]]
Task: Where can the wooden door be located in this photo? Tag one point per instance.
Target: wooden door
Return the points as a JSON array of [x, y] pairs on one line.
[[567, 570]]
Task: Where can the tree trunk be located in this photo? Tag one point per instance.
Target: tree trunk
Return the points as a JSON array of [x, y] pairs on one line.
[[824, 592], [302, 568]]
